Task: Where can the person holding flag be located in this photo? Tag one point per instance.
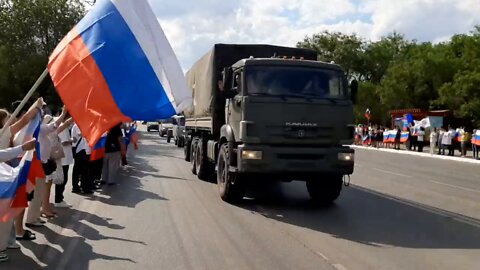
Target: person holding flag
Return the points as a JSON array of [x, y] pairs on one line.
[[6, 137], [14, 152], [8, 188], [368, 115], [67, 143], [49, 166]]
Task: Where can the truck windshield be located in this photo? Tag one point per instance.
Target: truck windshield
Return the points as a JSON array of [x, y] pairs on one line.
[[294, 81]]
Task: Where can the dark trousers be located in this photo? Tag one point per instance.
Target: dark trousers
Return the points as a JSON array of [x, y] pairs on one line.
[[475, 150], [59, 189], [96, 169], [420, 146], [81, 175], [451, 150], [444, 147]]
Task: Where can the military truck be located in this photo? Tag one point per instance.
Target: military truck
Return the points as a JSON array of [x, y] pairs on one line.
[[264, 113], [178, 130]]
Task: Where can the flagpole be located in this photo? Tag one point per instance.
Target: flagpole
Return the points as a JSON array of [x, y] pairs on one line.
[[24, 101]]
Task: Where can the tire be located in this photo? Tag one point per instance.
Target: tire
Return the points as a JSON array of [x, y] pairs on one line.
[[148, 130], [325, 191], [193, 165], [186, 150], [230, 185], [175, 142], [203, 166], [169, 139]]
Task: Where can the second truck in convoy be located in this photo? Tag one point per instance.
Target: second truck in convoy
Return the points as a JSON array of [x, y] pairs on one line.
[[265, 113]]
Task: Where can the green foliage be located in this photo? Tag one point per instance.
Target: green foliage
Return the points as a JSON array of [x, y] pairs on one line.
[[29, 31], [396, 73]]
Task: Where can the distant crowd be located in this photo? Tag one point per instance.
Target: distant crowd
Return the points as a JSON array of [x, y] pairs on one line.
[[441, 141]]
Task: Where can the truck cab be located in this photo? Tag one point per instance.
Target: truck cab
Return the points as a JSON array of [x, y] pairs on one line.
[[178, 122], [278, 119]]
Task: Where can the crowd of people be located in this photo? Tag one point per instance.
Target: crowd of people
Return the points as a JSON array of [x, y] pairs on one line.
[[441, 141], [62, 147]]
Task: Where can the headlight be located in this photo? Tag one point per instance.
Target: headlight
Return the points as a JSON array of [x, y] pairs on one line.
[[346, 156], [254, 155]]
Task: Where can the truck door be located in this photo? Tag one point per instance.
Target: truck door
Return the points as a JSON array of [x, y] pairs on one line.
[[234, 105]]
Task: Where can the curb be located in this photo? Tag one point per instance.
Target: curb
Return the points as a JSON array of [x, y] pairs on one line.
[[411, 153]]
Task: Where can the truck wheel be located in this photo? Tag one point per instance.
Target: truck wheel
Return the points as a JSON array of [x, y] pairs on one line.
[[175, 142], [325, 191], [204, 170], [230, 186], [193, 149], [187, 150], [169, 138]]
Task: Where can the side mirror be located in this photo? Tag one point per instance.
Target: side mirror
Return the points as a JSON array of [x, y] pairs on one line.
[[227, 79], [353, 91]]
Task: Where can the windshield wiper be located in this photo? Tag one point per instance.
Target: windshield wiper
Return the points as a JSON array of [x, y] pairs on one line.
[[282, 96]]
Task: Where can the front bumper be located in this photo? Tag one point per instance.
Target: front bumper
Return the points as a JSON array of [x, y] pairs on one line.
[[291, 162]]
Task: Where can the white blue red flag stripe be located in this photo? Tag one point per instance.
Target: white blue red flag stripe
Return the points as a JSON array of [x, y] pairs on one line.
[[116, 66], [16, 182]]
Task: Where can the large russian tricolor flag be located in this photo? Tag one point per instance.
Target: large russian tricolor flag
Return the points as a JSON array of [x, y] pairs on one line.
[[116, 66]]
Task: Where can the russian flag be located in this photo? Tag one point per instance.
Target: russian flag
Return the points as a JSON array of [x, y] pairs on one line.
[[32, 130], [385, 136], [405, 123], [391, 136], [476, 138], [404, 137], [116, 65], [458, 137], [98, 150], [13, 191], [132, 137], [368, 114], [15, 183], [367, 140]]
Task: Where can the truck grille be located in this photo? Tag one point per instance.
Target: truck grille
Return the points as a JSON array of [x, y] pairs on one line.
[[300, 156], [307, 132]]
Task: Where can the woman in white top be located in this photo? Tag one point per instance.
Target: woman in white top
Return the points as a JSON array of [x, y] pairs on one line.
[[420, 139], [66, 140], [48, 140]]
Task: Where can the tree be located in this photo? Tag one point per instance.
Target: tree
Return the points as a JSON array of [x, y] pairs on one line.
[[396, 73], [345, 50], [29, 31]]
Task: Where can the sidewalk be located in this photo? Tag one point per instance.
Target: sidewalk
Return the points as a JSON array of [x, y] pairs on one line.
[[425, 153]]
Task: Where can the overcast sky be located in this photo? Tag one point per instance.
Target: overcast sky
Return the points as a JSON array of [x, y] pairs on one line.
[[193, 26]]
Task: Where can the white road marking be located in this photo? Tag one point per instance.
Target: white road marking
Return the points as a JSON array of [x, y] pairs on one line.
[[321, 255], [393, 173], [453, 186], [339, 267], [335, 265]]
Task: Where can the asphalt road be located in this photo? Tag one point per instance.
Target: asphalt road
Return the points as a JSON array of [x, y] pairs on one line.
[[401, 212]]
